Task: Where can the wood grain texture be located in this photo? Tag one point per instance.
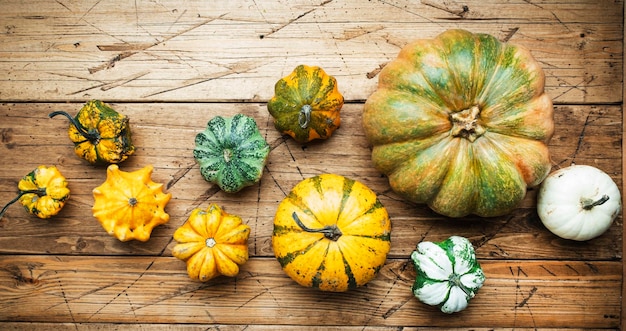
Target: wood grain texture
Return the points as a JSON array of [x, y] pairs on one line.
[[173, 65], [237, 50], [142, 289]]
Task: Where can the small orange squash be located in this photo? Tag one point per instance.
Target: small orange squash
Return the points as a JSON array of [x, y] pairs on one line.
[[129, 205], [306, 104], [212, 243]]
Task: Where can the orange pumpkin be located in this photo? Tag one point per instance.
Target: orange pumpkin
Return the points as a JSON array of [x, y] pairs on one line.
[[129, 205], [212, 243]]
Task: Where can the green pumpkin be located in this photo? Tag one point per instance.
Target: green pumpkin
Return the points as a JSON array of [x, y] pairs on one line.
[[461, 123], [231, 152], [448, 274]]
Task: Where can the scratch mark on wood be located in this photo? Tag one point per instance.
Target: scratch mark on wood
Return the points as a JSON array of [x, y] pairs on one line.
[[111, 63], [124, 47], [577, 87], [572, 268], [63, 5], [519, 271], [592, 267], [66, 301], [123, 81], [551, 12], [349, 34], [237, 68], [487, 237], [398, 306], [211, 191], [581, 137], [404, 9], [547, 270], [123, 292], [525, 300], [89, 10], [510, 34], [179, 175], [376, 71], [295, 19], [176, 20], [460, 14], [191, 288]]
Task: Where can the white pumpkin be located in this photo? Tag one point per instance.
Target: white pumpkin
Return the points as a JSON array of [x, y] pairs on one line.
[[579, 202]]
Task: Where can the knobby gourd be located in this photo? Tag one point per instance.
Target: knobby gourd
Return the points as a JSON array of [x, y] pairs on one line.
[[578, 202], [231, 152], [332, 233], [448, 274], [43, 192], [461, 123], [306, 104], [100, 134], [129, 205], [212, 243]]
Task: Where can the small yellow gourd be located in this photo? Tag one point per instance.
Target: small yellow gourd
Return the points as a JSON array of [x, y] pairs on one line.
[[212, 243], [43, 192], [129, 205]]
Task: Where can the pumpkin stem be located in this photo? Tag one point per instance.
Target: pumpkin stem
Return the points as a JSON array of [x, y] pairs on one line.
[[465, 124], [304, 117], [456, 281], [331, 232], [22, 193], [132, 201], [92, 136], [588, 204]]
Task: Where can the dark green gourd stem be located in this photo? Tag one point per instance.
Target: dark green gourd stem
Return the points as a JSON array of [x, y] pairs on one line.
[[331, 232], [91, 136], [22, 193], [588, 204]]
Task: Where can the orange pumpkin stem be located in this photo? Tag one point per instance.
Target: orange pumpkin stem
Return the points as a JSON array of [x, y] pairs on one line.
[[465, 124]]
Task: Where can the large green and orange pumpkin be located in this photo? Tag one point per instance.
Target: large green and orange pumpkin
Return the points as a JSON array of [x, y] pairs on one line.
[[461, 122], [331, 233]]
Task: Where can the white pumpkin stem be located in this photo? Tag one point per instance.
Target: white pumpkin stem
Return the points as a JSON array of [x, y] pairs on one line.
[[588, 204]]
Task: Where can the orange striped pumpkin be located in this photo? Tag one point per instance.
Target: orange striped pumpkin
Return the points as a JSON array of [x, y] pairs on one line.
[[331, 233]]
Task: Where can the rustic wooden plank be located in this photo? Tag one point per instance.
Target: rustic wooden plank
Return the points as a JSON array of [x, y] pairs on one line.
[[164, 135], [588, 135], [233, 50], [524, 294], [22, 326]]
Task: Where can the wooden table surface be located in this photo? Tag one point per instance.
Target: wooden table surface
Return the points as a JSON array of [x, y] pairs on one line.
[[172, 65]]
